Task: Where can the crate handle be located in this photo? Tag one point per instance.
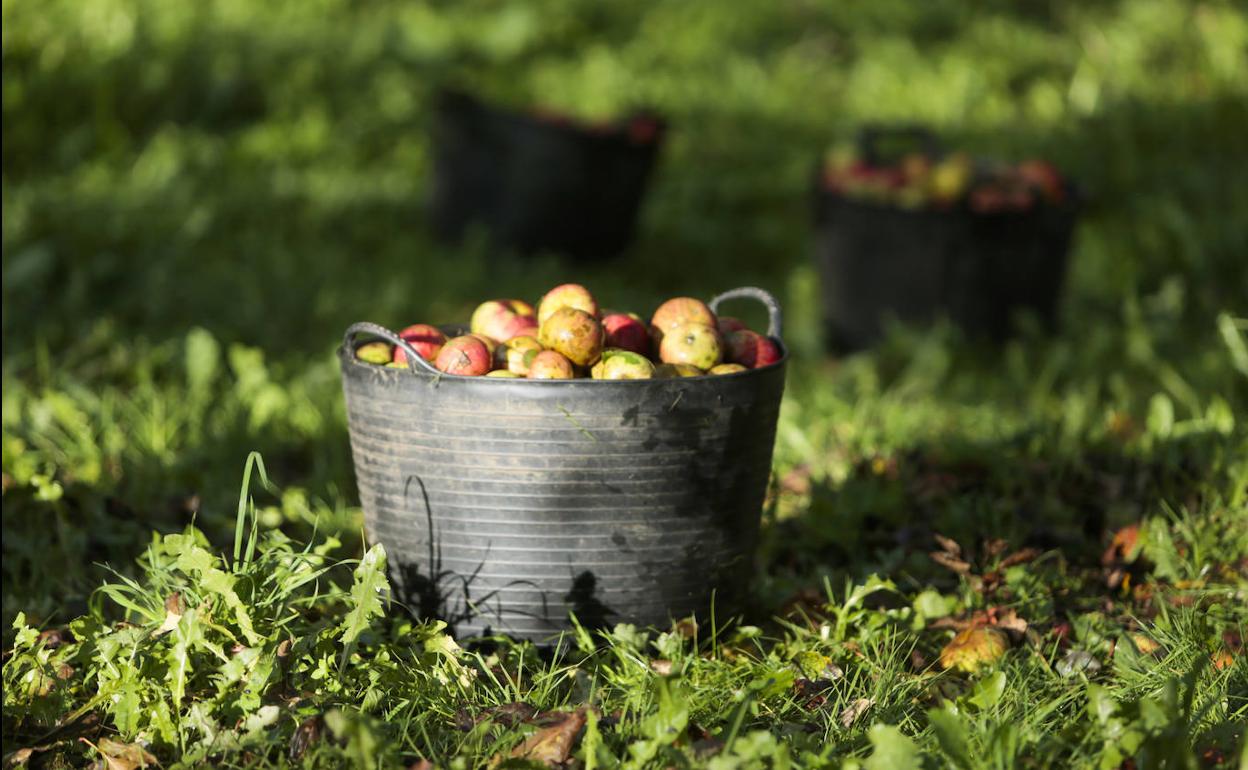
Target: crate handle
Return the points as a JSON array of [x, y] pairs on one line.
[[415, 360], [775, 317]]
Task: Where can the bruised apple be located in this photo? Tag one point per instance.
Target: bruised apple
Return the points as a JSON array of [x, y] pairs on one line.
[[466, 355], [574, 333]]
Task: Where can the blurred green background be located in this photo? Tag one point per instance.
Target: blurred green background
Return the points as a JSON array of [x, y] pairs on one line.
[[199, 197]]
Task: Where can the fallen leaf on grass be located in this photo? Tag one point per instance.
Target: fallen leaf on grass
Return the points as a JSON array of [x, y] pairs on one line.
[[855, 710], [553, 744], [174, 609], [18, 758], [1124, 547], [122, 756], [307, 733], [662, 667], [506, 714], [1222, 659], [973, 648]]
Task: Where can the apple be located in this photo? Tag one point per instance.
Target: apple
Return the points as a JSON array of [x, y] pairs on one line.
[[501, 319], [750, 349], [692, 343], [727, 323], [551, 365], [679, 311], [466, 355], [516, 354], [628, 332], [915, 166], [574, 333], [1044, 177], [948, 179], [503, 373], [727, 369], [518, 326], [566, 295], [426, 339], [669, 371], [624, 365], [490, 343], [374, 352]]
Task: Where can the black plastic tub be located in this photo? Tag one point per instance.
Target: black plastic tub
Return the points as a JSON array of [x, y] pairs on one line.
[[879, 262], [537, 183], [505, 505]]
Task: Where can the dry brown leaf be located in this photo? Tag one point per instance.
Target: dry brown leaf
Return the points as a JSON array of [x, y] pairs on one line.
[[1010, 622], [950, 562], [553, 744], [995, 547], [1124, 546], [661, 667], [855, 710], [307, 733], [1020, 557], [687, 628], [174, 609], [18, 758], [122, 756], [421, 764], [1222, 659], [948, 545]]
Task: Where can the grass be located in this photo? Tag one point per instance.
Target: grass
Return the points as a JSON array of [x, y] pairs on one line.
[[199, 200]]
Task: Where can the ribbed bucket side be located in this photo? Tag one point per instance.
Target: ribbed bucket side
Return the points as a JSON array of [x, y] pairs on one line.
[[506, 505]]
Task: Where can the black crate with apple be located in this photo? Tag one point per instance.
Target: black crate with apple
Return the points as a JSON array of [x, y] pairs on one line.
[[559, 460], [907, 231], [539, 181]]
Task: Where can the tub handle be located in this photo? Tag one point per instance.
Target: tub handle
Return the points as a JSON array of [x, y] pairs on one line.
[[415, 361], [775, 317]]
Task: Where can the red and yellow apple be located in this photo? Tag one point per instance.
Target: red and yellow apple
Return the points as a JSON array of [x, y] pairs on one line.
[[628, 332], [426, 339], [465, 355], [750, 349]]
